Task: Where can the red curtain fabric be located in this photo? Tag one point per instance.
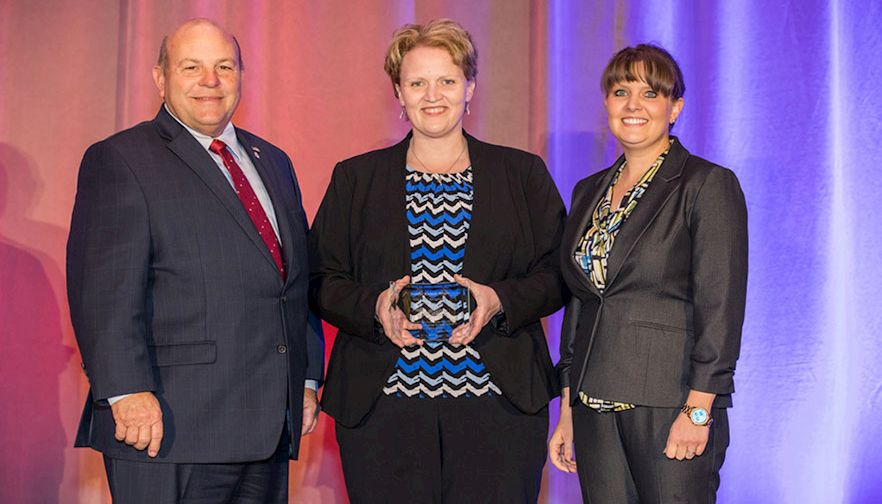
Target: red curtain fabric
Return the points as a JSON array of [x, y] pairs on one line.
[[74, 72]]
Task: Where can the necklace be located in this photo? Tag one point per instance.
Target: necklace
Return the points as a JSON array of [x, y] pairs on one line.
[[426, 168]]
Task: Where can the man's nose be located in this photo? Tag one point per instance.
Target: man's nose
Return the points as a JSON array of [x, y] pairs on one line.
[[209, 78]]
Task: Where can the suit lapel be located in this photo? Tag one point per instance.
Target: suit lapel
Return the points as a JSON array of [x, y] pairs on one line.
[[584, 208], [482, 194], [396, 187], [269, 176], [662, 187], [197, 159]]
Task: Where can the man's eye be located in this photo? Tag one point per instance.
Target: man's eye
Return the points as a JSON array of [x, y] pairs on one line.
[[449, 82], [416, 84]]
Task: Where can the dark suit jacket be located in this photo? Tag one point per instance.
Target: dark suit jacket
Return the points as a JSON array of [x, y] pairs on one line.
[[172, 290], [670, 317], [359, 242]]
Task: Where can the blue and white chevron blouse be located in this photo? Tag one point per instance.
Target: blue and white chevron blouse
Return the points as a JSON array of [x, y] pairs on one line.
[[439, 210]]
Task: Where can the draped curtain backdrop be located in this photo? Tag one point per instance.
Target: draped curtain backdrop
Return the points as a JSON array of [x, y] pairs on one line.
[[784, 93]]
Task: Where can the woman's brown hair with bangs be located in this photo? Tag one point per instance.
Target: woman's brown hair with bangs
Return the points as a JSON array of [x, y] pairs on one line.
[[645, 62]]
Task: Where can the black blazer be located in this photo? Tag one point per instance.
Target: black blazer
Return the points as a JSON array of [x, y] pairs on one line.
[[670, 317], [172, 290], [359, 242]]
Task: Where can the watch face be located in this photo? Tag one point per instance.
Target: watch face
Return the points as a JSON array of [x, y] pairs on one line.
[[698, 416]]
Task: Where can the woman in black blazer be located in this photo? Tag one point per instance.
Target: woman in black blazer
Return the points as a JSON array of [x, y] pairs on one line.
[[655, 254], [417, 421]]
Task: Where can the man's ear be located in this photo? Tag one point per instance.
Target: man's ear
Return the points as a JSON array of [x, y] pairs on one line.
[[159, 79]]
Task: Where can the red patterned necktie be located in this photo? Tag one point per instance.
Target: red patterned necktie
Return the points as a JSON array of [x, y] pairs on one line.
[[251, 203]]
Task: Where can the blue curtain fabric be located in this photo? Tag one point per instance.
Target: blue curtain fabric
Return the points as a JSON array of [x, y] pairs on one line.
[[785, 94]]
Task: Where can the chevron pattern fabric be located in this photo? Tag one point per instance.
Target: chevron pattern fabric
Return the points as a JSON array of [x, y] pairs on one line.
[[439, 210]]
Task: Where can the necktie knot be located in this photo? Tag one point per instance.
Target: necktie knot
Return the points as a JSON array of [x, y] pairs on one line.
[[218, 147]]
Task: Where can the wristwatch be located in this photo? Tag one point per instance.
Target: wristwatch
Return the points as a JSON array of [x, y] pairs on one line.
[[698, 416]]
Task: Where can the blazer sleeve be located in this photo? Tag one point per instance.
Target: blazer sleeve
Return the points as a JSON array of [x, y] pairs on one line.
[[315, 339], [718, 224], [108, 254], [567, 339], [540, 292], [341, 300], [315, 349]]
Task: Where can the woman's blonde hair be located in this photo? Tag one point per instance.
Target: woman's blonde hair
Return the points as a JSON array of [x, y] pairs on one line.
[[442, 33]]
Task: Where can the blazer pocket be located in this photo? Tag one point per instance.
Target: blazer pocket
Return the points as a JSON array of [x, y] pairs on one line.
[[660, 327], [202, 352], [668, 350]]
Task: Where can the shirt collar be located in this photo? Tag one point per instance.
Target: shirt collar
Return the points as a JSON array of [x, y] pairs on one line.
[[650, 172], [227, 136]]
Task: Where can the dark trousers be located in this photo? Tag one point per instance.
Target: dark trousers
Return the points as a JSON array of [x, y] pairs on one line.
[[620, 457], [261, 482], [416, 451]]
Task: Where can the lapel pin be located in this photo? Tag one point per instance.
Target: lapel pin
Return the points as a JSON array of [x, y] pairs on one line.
[[256, 152]]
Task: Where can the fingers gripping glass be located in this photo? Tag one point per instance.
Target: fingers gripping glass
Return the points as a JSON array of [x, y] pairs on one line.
[[437, 308]]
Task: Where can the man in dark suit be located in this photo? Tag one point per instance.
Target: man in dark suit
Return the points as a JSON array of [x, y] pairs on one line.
[[187, 277]]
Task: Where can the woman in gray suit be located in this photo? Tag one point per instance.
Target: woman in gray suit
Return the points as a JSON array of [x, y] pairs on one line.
[[655, 254]]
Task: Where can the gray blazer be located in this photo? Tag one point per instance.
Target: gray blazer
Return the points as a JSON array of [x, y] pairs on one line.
[[172, 290], [670, 317]]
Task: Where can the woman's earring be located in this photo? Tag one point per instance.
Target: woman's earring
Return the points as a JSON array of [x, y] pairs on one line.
[[401, 115], [468, 111]]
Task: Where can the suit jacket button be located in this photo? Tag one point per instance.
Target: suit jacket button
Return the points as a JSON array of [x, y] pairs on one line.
[[284, 299], [281, 349]]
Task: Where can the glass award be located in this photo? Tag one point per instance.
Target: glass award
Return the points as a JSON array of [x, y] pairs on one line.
[[438, 308]]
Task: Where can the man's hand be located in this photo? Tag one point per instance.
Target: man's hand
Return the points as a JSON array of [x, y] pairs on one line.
[[138, 420], [310, 411]]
